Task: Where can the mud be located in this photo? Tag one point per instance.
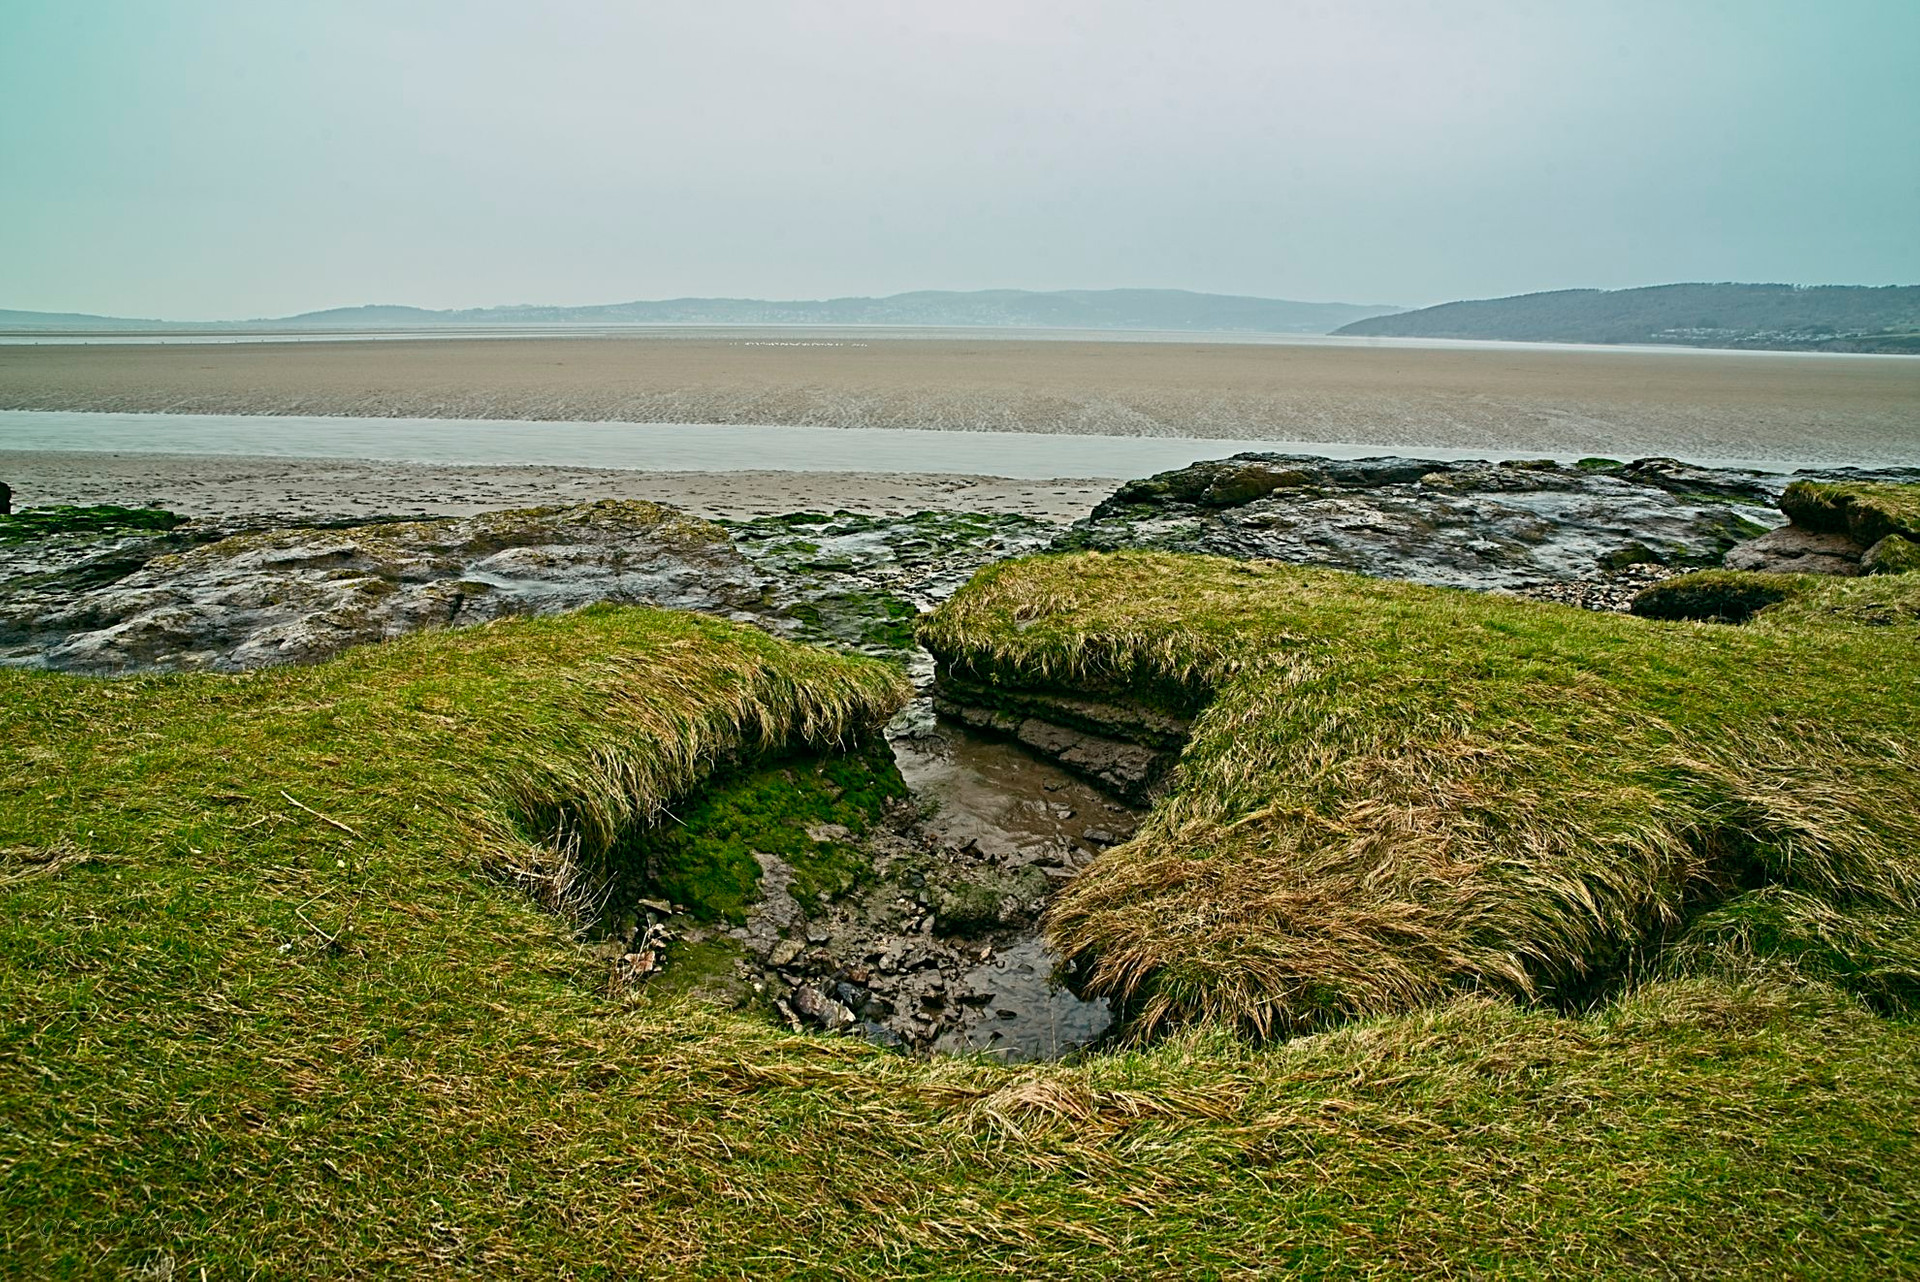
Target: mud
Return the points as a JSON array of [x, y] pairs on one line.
[[938, 946]]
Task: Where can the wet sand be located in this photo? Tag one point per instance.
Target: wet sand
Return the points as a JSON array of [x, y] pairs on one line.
[[309, 489], [1821, 408]]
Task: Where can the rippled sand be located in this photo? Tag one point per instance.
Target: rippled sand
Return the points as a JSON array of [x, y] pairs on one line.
[[1823, 409]]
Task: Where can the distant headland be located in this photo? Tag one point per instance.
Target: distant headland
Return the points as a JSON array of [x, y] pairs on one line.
[[1824, 318]]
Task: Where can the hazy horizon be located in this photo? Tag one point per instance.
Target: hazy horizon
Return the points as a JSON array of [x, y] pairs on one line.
[[214, 160]]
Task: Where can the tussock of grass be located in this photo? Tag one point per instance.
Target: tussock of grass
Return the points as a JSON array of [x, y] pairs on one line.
[[1398, 793], [1868, 511], [1716, 596], [235, 1038], [1735, 596]]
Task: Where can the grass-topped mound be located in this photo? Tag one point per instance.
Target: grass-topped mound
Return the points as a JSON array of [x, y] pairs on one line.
[[1396, 793], [266, 1010], [1736, 596], [1867, 511]]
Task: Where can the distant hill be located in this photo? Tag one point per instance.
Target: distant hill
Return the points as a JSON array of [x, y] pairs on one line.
[[1851, 318], [1163, 309]]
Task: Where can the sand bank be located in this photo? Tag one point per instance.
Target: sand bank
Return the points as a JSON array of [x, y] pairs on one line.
[[1701, 404]]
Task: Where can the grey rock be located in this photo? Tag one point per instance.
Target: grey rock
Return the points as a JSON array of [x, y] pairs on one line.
[[301, 595], [1793, 549], [815, 1007], [1473, 524]]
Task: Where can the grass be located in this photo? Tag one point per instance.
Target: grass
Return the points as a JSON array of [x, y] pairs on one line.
[[1868, 511], [1735, 596], [239, 1038], [1396, 794]]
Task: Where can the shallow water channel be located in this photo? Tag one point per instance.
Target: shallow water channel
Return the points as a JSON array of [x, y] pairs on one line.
[[1018, 812]]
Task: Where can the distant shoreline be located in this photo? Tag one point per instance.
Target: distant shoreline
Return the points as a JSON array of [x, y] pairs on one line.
[[821, 335]]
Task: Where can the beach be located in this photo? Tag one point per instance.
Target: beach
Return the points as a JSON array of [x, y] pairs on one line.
[[1626, 402]]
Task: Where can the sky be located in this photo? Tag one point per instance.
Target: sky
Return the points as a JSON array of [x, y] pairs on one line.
[[226, 159]]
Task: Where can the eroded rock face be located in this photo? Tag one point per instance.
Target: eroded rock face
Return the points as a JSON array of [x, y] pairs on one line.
[[1831, 532], [1118, 744], [1510, 526], [1793, 549], [293, 596]]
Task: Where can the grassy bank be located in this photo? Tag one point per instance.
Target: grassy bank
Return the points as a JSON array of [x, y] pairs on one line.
[[272, 1010], [1399, 793]]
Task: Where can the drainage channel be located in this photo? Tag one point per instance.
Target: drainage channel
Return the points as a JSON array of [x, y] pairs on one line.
[[914, 923], [1007, 806]]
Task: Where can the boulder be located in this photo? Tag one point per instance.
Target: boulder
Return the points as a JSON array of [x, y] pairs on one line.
[[1476, 524], [1895, 554], [1795, 549]]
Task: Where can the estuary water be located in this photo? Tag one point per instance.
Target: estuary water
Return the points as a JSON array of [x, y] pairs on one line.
[[676, 447]]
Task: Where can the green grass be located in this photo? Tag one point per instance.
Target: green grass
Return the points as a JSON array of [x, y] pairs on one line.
[[1398, 793], [241, 1040], [1734, 596], [1868, 511]]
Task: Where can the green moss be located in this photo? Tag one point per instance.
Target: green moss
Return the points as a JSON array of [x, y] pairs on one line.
[[34, 523], [704, 968], [1894, 554], [701, 855], [1599, 464], [877, 620], [967, 907]]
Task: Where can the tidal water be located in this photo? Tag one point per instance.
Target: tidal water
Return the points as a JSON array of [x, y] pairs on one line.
[[673, 447]]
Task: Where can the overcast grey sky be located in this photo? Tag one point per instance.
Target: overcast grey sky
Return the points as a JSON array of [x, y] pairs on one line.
[[233, 158]]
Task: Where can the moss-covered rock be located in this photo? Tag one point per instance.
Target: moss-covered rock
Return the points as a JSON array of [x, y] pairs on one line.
[[1002, 899], [1895, 554], [703, 852], [266, 597], [105, 518]]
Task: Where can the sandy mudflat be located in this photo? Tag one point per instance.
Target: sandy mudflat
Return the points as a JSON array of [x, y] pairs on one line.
[[1822, 409], [322, 488]]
